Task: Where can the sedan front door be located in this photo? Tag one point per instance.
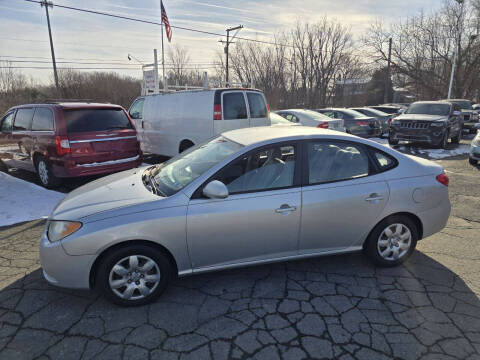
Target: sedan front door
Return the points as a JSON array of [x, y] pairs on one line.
[[342, 199], [260, 218]]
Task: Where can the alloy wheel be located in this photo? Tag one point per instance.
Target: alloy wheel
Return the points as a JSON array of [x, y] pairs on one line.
[[43, 172], [394, 242], [134, 277]]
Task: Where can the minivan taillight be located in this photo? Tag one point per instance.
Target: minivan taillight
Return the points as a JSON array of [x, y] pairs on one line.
[[217, 112], [63, 145], [323, 125], [443, 179]]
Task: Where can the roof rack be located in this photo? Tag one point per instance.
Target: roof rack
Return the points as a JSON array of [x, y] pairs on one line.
[[56, 101]]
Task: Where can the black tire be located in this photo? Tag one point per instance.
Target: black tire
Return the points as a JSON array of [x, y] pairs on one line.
[[444, 142], [472, 161], [164, 267], [392, 141], [456, 139], [3, 167], [371, 245], [45, 175], [184, 145]]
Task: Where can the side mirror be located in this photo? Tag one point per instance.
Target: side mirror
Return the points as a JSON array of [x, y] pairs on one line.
[[456, 113], [215, 190]]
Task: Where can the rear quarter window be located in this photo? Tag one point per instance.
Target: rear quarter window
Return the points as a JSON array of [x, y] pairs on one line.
[[88, 120], [23, 119], [42, 120], [257, 106], [383, 161], [234, 106]]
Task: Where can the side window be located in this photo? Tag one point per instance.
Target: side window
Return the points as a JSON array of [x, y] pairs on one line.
[[331, 161], [234, 106], [338, 115], [7, 122], [292, 118], [136, 110], [384, 161], [265, 169], [42, 120], [256, 104], [329, 114], [23, 119]]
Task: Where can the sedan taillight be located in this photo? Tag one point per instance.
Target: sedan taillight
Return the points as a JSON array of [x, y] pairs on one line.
[[323, 125], [443, 179], [362, 123]]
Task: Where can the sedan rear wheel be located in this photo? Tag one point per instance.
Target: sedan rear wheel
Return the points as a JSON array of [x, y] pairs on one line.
[[133, 275], [392, 241]]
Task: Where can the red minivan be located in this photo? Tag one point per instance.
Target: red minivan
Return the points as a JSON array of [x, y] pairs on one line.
[[68, 139]]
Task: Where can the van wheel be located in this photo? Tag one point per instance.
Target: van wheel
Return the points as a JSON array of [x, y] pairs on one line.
[[184, 145], [133, 275], [45, 175], [392, 241]]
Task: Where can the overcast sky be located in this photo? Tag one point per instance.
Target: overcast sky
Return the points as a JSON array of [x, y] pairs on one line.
[[78, 36]]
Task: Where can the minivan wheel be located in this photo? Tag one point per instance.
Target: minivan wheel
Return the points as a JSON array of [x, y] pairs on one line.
[[133, 275], [45, 175], [392, 241]]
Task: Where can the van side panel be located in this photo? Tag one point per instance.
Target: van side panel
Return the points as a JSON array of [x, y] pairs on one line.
[[173, 117]]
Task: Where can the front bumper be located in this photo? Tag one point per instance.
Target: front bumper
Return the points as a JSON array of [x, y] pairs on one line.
[[429, 135], [475, 152], [61, 269]]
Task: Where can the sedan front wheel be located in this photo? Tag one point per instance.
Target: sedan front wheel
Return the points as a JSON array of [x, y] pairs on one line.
[[392, 241]]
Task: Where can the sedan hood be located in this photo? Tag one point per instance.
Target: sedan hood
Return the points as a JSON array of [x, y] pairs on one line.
[[421, 117], [110, 192]]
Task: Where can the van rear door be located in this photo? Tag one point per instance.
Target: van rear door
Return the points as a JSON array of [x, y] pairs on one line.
[[233, 113], [99, 135], [258, 109]]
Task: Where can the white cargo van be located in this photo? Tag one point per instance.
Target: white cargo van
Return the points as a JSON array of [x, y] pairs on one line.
[[170, 123]]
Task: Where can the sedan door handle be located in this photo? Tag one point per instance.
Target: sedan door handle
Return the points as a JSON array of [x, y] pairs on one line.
[[285, 208], [374, 197]]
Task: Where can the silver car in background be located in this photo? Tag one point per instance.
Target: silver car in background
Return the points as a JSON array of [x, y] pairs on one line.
[[249, 196], [312, 118], [474, 156]]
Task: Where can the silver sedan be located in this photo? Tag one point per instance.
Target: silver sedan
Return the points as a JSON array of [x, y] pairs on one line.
[[247, 197]]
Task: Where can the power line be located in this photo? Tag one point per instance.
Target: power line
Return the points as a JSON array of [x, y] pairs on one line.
[[160, 24], [91, 63], [100, 68]]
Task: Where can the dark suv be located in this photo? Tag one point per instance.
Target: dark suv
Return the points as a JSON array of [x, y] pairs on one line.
[[59, 140], [430, 122]]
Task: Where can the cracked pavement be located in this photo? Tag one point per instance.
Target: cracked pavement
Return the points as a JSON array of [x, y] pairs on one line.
[[338, 307]]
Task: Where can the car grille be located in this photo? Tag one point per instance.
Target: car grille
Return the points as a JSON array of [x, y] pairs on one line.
[[413, 125]]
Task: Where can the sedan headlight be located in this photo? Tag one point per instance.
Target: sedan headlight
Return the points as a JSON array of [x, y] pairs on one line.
[[57, 230], [438, 124]]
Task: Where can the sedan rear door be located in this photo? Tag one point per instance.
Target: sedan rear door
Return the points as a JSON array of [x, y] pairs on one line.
[[342, 196]]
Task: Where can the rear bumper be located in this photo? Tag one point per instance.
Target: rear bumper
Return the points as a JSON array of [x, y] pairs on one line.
[[367, 131], [68, 168]]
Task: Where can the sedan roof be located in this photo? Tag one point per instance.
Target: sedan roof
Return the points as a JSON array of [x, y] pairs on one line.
[[248, 136]]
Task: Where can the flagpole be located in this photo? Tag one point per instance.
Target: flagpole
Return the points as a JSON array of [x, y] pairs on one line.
[[163, 53]]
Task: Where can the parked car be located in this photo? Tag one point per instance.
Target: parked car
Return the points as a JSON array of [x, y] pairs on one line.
[[68, 139], [276, 119], [311, 118], [389, 109], [384, 118], [247, 197], [476, 107], [429, 122], [474, 156], [355, 123], [470, 116], [170, 123]]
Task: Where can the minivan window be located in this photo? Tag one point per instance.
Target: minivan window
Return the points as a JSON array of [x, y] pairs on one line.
[[257, 106], [234, 106], [7, 122], [42, 120], [23, 119], [85, 120], [136, 110]]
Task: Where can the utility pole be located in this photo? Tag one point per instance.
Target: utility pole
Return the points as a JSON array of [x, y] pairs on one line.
[[387, 77], [238, 28], [457, 46], [48, 4]]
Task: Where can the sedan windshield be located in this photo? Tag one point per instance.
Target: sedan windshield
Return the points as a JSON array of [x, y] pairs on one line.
[[181, 170], [429, 109]]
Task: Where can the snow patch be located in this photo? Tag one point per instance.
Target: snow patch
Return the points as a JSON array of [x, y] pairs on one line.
[[431, 153], [23, 201]]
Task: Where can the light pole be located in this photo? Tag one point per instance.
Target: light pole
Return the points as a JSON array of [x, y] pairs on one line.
[[228, 42], [457, 46]]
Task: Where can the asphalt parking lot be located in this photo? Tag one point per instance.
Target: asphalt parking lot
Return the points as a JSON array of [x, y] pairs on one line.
[[338, 307]]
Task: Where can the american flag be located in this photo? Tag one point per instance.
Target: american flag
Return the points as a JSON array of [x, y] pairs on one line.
[[165, 21]]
